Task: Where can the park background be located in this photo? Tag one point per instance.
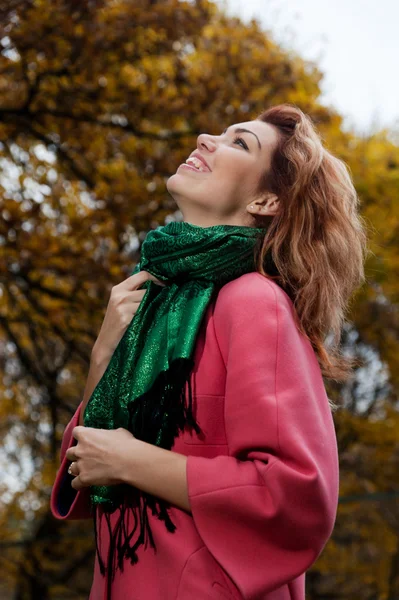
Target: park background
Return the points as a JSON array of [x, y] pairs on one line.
[[100, 101]]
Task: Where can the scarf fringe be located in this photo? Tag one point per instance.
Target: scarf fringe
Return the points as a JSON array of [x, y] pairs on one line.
[[156, 418]]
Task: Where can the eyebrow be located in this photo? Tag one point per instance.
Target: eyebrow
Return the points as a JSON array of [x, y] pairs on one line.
[[241, 130]]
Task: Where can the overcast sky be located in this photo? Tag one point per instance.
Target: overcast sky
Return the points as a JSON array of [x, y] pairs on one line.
[[355, 44]]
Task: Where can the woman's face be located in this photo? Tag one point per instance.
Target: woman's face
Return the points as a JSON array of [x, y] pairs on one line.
[[224, 193]]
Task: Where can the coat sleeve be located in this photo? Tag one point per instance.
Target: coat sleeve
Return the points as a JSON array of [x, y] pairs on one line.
[[65, 501], [266, 510]]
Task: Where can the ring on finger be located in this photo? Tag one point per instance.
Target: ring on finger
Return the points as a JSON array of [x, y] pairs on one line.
[[70, 469]]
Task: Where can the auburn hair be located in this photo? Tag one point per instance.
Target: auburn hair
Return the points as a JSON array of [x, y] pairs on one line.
[[317, 240]]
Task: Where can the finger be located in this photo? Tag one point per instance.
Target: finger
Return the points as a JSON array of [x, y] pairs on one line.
[[135, 281], [77, 431], [71, 469], [136, 295], [155, 279], [71, 454], [76, 483]]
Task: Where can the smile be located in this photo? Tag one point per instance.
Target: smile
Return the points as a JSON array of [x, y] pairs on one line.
[[192, 168]]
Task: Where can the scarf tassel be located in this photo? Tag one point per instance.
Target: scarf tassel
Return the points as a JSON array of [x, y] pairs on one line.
[[166, 417]]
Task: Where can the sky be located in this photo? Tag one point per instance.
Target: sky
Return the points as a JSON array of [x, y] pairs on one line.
[[355, 43]]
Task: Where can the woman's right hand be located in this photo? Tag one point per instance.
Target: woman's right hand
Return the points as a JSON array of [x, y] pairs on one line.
[[124, 301]]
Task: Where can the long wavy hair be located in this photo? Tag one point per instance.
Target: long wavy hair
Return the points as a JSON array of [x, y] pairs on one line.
[[318, 240]]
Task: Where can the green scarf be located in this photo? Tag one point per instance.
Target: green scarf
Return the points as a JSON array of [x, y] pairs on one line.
[[143, 387]]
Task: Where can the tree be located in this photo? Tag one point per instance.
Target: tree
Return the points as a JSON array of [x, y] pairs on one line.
[[99, 103]]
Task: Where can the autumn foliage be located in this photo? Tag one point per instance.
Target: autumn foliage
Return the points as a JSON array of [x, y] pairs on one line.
[[100, 101]]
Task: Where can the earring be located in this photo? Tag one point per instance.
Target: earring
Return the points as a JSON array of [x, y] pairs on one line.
[[251, 207]]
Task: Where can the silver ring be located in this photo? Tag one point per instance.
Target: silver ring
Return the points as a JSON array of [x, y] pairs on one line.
[[70, 470]]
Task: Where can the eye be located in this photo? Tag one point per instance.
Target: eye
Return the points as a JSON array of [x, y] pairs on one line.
[[238, 139]]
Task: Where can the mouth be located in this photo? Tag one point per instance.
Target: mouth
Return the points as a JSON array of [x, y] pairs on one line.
[[192, 168], [197, 161]]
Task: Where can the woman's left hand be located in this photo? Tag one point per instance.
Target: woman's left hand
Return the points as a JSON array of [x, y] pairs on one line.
[[100, 456]]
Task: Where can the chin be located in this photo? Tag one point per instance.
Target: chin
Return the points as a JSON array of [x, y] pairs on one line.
[[171, 181], [177, 186]]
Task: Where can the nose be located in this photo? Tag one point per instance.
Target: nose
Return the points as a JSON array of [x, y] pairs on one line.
[[207, 141]]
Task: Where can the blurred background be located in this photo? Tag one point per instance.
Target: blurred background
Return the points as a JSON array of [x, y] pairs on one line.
[[100, 101]]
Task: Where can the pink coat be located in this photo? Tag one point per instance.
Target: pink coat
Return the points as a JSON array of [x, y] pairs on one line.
[[263, 483]]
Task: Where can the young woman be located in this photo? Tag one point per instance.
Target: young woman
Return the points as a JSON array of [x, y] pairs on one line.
[[204, 447]]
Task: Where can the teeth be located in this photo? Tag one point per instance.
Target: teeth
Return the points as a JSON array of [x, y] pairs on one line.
[[196, 163]]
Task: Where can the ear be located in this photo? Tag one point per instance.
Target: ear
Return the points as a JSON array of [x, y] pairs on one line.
[[266, 206]]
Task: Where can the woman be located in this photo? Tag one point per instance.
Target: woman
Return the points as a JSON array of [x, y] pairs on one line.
[[242, 478]]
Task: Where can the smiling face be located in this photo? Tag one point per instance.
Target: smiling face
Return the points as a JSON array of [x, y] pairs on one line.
[[224, 195]]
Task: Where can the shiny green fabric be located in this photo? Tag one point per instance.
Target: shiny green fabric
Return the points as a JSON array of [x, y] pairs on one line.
[[143, 387]]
